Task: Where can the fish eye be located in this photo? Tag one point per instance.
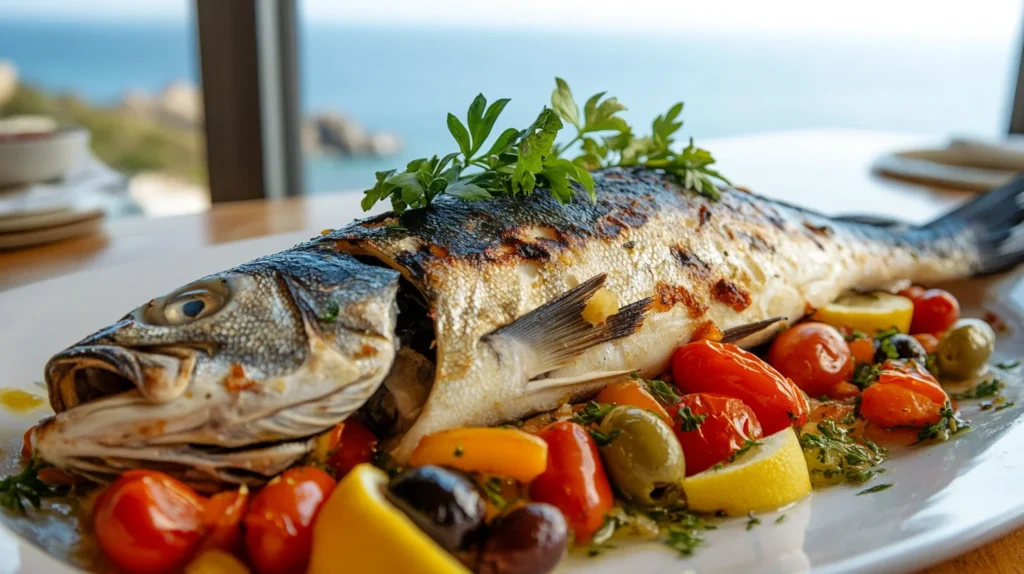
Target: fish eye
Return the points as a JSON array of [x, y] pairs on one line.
[[187, 304]]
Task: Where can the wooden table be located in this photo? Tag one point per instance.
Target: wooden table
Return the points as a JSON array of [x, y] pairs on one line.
[[823, 170]]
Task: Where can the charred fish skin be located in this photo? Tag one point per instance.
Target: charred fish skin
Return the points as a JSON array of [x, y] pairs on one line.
[[228, 378], [742, 259]]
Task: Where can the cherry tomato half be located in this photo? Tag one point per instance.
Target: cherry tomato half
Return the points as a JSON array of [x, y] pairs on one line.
[[575, 481], [279, 524], [356, 445], [862, 350], [148, 522], [721, 368], [814, 356], [223, 520], [904, 395], [714, 427], [934, 312]]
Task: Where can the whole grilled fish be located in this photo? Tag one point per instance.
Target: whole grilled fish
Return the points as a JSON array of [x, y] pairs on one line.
[[467, 313]]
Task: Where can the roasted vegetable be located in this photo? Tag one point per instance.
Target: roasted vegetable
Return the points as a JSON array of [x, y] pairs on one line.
[[710, 428], [505, 452], [935, 311], [814, 356], [632, 392]]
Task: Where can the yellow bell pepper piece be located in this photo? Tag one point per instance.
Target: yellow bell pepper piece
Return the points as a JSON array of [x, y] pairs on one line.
[[358, 530], [504, 452]]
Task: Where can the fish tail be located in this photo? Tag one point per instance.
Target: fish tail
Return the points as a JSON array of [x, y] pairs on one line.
[[992, 223]]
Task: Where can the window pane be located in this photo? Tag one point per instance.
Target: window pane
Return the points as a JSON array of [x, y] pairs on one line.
[[399, 66]]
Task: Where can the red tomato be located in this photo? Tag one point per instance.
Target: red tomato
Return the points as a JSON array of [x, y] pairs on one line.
[[863, 350], [843, 390], [279, 524], [934, 312], [223, 520], [928, 341], [814, 356], [912, 292], [904, 395], [147, 521], [575, 481], [728, 424], [831, 411], [721, 368], [357, 444], [26, 444]]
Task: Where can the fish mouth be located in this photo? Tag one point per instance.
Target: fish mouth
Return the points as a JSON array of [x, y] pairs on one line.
[[82, 374]]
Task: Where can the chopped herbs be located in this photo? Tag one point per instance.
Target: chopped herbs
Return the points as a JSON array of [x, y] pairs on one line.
[[682, 540], [833, 455], [780, 519], [889, 348], [688, 422], [1005, 406], [25, 486], [752, 521], [604, 439], [864, 375], [330, 312], [592, 413], [947, 426], [662, 392], [1007, 365], [983, 390], [519, 160], [874, 489], [749, 444], [856, 334], [493, 492], [458, 451]]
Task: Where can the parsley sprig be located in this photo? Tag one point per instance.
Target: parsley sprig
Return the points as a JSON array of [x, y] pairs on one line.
[[520, 160], [840, 457], [25, 486], [948, 425]]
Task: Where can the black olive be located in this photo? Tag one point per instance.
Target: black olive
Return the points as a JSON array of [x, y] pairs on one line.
[[444, 504], [905, 346], [528, 540]]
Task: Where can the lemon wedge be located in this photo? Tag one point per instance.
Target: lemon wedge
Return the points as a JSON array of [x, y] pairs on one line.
[[767, 477], [358, 530], [870, 312]]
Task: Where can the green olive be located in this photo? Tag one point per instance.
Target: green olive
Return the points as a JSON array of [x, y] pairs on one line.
[[962, 354], [643, 458]]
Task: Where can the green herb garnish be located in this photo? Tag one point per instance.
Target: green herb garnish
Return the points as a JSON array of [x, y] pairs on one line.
[[864, 375], [856, 334], [330, 312], [983, 390], [876, 488], [520, 160], [780, 519], [682, 540], [688, 422], [662, 392], [752, 521], [747, 445], [1005, 406], [840, 457], [1007, 365], [604, 439], [458, 451], [16, 489], [947, 426], [492, 489], [592, 413]]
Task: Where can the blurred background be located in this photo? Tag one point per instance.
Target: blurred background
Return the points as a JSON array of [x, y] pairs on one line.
[[374, 79]]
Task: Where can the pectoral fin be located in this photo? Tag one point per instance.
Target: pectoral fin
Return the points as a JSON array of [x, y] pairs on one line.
[[556, 332]]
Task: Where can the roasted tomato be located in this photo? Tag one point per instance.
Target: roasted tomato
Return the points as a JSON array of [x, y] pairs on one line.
[[575, 481], [814, 356], [147, 521], [724, 369], [223, 520], [935, 311], [862, 350], [928, 342], [357, 444], [711, 428], [279, 524], [904, 395]]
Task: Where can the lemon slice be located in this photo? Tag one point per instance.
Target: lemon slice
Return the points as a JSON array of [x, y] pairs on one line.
[[358, 530], [769, 476], [871, 312]]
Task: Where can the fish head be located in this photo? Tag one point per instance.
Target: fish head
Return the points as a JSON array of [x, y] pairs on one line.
[[228, 378]]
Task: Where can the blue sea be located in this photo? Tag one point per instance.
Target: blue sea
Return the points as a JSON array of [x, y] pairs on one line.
[[406, 79]]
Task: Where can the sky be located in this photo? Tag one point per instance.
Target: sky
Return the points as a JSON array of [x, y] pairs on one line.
[[935, 19]]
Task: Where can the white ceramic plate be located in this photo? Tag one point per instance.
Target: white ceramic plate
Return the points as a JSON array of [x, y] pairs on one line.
[[946, 498]]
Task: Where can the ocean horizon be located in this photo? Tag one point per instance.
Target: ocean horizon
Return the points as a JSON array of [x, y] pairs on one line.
[[405, 80]]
